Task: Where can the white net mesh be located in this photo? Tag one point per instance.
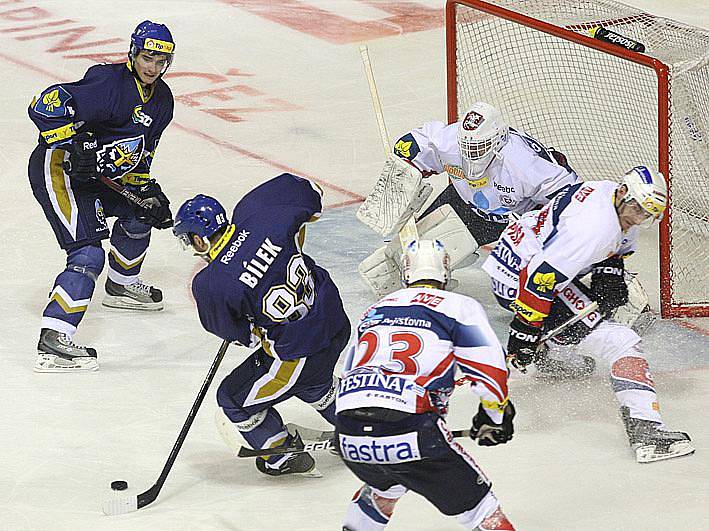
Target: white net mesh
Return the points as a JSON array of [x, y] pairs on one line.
[[602, 110]]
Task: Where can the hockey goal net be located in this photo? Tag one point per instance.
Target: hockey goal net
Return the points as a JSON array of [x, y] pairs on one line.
[[606, 107]]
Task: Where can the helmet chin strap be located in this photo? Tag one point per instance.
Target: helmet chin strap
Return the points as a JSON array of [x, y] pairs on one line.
[[204, 255]]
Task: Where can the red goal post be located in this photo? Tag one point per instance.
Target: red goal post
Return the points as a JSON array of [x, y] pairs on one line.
[[606, 107]]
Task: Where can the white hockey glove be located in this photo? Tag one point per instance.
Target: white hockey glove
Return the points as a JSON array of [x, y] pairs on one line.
[[398, 194]]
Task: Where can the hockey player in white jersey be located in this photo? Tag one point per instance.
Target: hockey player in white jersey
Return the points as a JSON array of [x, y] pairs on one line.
[[494, 171], [536, 270], [399, 373]]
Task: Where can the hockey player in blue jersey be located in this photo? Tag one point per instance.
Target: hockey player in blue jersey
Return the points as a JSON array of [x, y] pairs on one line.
[[261, 289], [108, 123]]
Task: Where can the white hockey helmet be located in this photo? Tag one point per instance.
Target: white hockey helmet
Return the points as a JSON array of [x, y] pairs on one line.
[[425, 260], [649, 189], [481, 135]]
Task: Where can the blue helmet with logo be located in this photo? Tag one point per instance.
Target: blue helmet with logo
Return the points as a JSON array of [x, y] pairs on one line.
[[202, 215], [153, 37]]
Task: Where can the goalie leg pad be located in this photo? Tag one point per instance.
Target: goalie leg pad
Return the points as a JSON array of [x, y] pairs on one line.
[[381, 271], [636, 312], [444, 225]]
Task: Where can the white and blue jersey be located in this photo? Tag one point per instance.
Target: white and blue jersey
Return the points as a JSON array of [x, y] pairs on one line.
[[408, 348], [525, 176]]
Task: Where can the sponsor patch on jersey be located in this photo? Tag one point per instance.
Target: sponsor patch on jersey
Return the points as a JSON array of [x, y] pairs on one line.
[[505, 255], [375, 381], [543, 281], [52, 103], [121, 156], [472, 121], [406, 147], [139, 117], [380, 450], [100, 216]]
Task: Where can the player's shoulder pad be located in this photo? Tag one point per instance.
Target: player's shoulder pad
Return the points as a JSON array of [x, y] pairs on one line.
[[52, 102], [407, 147]]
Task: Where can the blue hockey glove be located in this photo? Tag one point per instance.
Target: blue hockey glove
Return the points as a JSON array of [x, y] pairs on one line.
[[82, 164], [159, 214]]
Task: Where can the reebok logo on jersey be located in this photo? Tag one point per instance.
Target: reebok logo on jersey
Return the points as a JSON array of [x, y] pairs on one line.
[[241, 238], [380, 450]]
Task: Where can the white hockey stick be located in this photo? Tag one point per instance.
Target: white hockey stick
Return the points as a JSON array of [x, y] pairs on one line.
[[408, 232], [566, 324]]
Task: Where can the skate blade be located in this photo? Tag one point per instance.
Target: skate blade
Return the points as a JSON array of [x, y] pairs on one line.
[[312, 473], [50, 367], [648, 453], [122, 303]]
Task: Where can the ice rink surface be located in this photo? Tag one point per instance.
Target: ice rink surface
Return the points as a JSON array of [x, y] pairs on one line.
[[262, 88]]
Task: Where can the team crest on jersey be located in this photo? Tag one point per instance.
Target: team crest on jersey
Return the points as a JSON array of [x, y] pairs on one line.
[[121, 156], [472, 121], [544, 281], [407, 147], [139, 117], [53, 103], [100, 216]]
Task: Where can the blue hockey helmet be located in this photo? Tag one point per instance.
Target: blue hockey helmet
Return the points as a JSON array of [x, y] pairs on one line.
[[202, 215], [153, 37]]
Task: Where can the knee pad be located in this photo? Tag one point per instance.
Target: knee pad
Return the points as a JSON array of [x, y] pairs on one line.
[[631, 372], [134, 229], [88, 260]]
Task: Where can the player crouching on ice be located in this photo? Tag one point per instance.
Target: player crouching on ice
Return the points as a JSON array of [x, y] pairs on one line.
[[536, 271], [393, 398], [260, 288]]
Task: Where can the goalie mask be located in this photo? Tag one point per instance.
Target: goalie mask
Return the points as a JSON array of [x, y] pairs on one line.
[[482, 133], [648, 189], [425, 260], [202, 216]]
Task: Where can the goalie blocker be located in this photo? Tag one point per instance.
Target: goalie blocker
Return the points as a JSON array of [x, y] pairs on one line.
[[382, 269]]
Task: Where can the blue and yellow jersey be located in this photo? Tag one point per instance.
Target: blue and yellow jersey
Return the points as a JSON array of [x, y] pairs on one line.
[[261, 285], [108, 102]]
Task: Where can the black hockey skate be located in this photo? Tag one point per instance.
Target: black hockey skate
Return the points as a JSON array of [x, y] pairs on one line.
[[652, 441], [135, 296], [56, 352], [297, 463]]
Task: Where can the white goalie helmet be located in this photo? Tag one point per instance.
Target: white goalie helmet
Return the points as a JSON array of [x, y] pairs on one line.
[[649, 189], [481, 135], [425, 260]]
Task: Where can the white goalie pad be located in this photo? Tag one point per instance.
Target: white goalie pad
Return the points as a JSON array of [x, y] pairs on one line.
[[636, 312], [382, 269], [398, 194]]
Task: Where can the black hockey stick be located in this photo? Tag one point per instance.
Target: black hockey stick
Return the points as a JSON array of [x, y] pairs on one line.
[[122, 190], [133, 503], [308, 447]]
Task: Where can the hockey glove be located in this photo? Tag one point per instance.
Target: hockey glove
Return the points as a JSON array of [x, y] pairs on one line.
[[487, 432], [522, 343], [82, 165], [159, 214], [608, 286]]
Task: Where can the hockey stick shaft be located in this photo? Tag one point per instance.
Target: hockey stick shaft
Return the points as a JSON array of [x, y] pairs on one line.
[[408, 231], [592, 307], [308, 447], [129, 504], [122, 190]]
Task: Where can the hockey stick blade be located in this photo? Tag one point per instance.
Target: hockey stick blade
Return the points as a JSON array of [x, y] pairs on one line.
[[309, 434], [118, 506]]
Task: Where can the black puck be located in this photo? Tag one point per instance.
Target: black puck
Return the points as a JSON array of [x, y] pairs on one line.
[[119, 485]]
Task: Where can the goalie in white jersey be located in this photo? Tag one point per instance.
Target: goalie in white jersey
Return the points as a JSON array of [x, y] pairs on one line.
[[393, 398], [536, 270], [494, 171]]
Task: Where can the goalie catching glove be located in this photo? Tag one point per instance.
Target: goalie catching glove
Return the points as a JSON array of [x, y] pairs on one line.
[[397, 195], [159, 214], [487, 432]]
